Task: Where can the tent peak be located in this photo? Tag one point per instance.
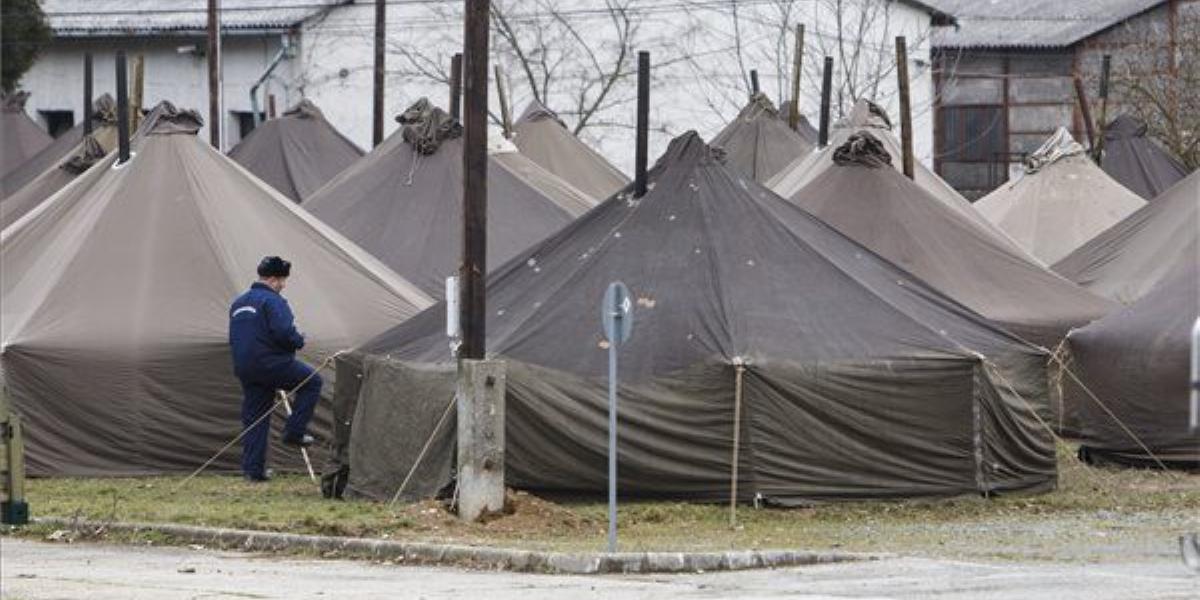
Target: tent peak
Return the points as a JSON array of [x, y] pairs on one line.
[[868, 114], [425, 126], [82, 160], [305, 109], [13, 102], [1125, 127], [863, 150], [758, 105], [1059, 146], [689, 146], [536, 111], [166, 119]]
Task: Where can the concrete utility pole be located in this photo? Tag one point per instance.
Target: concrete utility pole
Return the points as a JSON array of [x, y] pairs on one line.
[[214, 78], [87, 93], [797, 70], [456, 86], [380, 71], [481, 383], [641, 151], [826, 89], [906, 135]]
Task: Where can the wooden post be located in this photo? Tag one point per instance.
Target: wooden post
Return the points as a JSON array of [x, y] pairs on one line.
[[826, 89], [1086, 112], [906, 135], [14, 510], [474, 265], [641, 151], [1105, 73], [502, 92], [214, 78], [456, 78], [380, 71], [754, 82], [87, 93], [270, 106], [122, 108], [137, 89], [797, 71]]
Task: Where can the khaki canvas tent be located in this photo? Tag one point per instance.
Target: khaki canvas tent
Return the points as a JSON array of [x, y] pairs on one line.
[[1136, 362], [115, 305], [858, 380], [1133, 256], [869, 117], [1062, 201], [81, 153], [402, 202], [865, 199], [297, 153], [1136, 161], [22, 138], [104, 129], [544, 139], [759, 142]]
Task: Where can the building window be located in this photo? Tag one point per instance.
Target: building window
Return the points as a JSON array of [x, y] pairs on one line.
[[245, 121], [972, 133], [58, 122]]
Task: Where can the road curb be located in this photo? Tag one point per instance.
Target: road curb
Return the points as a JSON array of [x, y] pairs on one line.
[[476, 556]]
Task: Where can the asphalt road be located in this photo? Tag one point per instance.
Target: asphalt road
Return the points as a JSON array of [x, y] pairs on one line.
[[37, 570]]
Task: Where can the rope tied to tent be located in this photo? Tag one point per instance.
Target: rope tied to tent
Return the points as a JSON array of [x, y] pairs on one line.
[[864, 150], [424, 449], [283, 398]]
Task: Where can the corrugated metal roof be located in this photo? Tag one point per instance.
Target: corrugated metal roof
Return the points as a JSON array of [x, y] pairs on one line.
[[79, 18], [1031, 23]]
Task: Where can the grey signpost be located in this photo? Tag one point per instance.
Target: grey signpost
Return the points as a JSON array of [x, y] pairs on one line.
[[616, 313]]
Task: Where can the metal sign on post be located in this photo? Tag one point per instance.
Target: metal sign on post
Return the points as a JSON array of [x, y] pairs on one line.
[[616, 313]]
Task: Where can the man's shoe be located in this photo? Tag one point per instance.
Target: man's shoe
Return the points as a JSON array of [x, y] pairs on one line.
[[265, 477], [300, 441]]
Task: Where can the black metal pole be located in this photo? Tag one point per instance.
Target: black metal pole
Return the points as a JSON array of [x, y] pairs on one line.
[[214, 79], [122, 108], [456, 78], [474, 266], [87, 93], [380, 72], [641, 155], [754, 82], [826, 90]]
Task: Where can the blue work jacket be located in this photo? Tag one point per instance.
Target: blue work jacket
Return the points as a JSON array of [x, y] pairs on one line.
[[262, 332]]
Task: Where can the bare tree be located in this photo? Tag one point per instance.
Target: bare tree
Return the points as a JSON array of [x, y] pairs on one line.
[[1155, 78]]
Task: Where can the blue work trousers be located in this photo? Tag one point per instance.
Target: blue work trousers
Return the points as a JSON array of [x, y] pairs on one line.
[[258, 397]]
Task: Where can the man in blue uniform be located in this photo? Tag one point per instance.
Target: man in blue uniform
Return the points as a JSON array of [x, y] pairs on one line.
[[264, 340]]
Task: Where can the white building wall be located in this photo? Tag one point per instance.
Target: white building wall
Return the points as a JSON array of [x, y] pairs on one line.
[[333, 67], [56, 79]]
